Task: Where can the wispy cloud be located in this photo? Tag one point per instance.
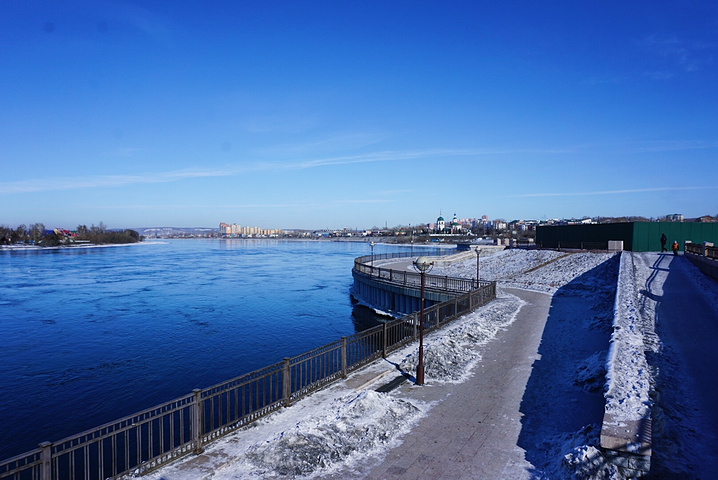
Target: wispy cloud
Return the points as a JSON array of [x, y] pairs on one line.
[[239, 206], [110, 181], [611, 192], [394, 155], [679, 55], [334, 143], [101, 181], [673, 145]]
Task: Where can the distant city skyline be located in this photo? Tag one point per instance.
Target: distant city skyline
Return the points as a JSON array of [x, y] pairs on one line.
[[331, 115]]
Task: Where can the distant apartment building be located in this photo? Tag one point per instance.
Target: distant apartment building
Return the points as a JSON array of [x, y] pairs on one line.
[[238, 231]]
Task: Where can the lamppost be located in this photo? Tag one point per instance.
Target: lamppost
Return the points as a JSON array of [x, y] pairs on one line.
[[422, 265], [412, 241], [478, 277], [372, 256]]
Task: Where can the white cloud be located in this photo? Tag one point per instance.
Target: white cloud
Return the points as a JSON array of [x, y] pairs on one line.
[[100, 181], [611, 192]]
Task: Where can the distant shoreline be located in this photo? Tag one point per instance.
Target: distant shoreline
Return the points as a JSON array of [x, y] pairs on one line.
[[21, 248]]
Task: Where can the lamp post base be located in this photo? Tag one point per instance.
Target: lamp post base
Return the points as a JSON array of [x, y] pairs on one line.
[[420, 375]]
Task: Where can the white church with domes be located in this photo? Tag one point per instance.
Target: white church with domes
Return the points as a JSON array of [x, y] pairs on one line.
[[453, 228]]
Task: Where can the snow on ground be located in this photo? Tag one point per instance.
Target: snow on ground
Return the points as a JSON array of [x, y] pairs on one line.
[[499, 265], [540, 270], [450, 355], [333, 429], [628, 379]]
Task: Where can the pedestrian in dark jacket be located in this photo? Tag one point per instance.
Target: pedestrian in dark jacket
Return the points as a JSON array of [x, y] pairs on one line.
[[663, 242]]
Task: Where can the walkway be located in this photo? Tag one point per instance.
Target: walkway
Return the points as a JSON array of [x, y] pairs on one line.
[[687, 325], [473, 432]]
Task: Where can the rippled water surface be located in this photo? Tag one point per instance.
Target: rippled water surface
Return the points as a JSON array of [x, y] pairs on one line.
[[91, 335]]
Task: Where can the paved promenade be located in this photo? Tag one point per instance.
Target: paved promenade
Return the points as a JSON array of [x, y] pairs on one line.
[[473, 432]]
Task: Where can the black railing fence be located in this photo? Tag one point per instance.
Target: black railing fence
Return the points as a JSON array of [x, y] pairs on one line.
[[154, 437], [368, 266]]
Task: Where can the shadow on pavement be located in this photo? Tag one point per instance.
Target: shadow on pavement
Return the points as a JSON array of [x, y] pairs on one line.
[[563, 401], [685, 422]]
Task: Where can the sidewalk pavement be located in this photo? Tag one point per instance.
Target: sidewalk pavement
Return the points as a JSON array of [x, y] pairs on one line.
[[473, 431]]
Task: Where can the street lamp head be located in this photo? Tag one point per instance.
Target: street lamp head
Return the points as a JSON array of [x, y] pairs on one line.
[[423, 265]]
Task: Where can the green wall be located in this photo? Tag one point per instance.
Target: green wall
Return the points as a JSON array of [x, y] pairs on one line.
[[572, 236], [647, 235], [636, 236]]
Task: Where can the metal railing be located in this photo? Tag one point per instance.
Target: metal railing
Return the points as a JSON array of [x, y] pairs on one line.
[[154, 437], [366, 265]]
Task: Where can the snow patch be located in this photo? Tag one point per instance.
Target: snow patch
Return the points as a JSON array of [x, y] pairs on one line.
[[628, 379], [450, 354], [352, 426]]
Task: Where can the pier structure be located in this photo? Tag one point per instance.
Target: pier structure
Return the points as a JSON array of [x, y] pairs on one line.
[[388, 283]]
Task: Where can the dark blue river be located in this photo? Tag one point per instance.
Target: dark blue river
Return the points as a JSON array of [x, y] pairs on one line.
[[90, 335]]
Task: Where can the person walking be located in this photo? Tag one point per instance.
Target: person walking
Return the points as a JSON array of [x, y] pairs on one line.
[[663, 243], [674, 247]]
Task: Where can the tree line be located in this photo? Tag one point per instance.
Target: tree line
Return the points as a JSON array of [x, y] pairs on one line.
[[37, 234]]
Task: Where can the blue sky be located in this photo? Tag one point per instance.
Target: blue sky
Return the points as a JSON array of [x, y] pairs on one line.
[[355, 114]]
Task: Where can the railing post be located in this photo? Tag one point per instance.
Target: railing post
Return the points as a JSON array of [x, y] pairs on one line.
[[197, 420], [286, 382], [46, 458], [343, 355], [383, 341]]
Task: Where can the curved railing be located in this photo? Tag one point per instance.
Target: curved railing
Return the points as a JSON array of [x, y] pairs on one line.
[[142, 442], [367, 265]]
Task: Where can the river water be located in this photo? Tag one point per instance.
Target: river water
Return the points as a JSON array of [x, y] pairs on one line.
[[89, 335]]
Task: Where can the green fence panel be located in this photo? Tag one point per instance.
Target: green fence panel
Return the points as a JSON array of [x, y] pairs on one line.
[[636, 236], [647, 235]]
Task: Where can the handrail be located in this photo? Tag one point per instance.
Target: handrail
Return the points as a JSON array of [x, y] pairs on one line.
[[365, 265], [144, 441]]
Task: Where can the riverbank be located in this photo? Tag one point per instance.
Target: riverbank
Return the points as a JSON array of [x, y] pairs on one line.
[[91, 334]]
